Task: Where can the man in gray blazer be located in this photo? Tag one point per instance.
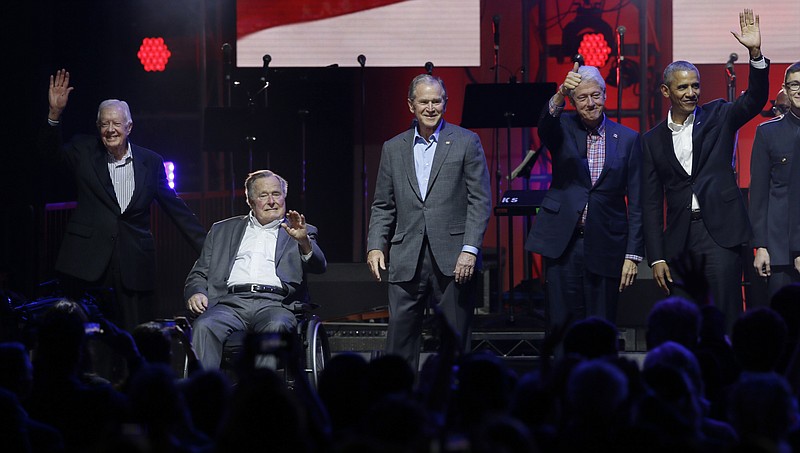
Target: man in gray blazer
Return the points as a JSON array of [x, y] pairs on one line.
[[432, 204], [252, 268]]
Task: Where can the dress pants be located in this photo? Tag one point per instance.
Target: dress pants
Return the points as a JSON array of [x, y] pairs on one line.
[[574, 291], [408, 301], [723, 271], [251, 312]]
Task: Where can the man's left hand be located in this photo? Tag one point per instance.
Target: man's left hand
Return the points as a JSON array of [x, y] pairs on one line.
[[295, 226], [465, 267], [629, 270], [751, 32]]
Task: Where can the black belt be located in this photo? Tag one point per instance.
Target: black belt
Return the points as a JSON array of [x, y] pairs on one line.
[[696, 215], [579, 231], [255, 288]]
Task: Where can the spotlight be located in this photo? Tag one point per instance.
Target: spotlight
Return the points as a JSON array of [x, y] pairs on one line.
[[169, 167], [589, 36]]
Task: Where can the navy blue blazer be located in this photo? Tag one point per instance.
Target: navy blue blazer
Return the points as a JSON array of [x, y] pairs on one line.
[[713, 179], [613, 223]]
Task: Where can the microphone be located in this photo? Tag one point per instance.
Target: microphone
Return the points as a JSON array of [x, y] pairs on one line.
[[226, 53], [266, 59], [621, 32], [429, 67], [362, 60], [496, 30], [731, 59], [578, 58]]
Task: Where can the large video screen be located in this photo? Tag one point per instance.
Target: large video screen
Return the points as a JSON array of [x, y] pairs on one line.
[[389, 33], [701, 30]]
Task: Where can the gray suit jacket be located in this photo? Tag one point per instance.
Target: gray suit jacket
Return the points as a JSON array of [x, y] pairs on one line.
[[455, 211], [210, 272]]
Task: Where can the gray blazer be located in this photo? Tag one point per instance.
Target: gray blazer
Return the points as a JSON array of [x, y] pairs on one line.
[[210, 272], [456, 209]]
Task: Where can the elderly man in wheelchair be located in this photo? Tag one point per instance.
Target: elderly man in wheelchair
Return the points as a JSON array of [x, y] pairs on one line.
[[250, 276]]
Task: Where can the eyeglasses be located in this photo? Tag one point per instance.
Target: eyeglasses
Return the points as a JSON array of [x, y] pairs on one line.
[[596, 96], [792, 86]]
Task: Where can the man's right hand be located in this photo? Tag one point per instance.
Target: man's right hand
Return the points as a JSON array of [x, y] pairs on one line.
[[376, 263], [761, 262], [197, 303], [662, 275], [58, 94]]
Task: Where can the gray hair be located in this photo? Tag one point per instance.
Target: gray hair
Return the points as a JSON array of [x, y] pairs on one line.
[[256, 175], [115, 104], [675, 66], [428, 79]]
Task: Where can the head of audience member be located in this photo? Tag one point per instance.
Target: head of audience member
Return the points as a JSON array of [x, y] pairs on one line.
[[589, 97], [264, 411], [758, 340], [596, 394], [786, 302], [485, 386], [673, 319], [341, 389], [153, 342], [61, 332], [781, 104], [673, 356], [114, 123], [592, 338], [207, 393], [427, 101], [681, 85], [16, 372], [389, 374], [266, 195], [763, 411], [791, 86]]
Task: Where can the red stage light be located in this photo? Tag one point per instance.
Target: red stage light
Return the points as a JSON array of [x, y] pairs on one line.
[[595, 49], [154, 54]]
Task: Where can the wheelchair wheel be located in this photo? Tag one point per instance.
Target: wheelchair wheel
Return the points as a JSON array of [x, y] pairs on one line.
[[317, 350]]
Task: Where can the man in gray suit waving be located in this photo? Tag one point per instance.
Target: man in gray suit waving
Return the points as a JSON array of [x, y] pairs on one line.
[[252, 269], [432, 204]]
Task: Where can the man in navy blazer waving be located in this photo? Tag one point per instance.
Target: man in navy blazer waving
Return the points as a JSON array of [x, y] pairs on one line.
[[687, 159], [589, 235]]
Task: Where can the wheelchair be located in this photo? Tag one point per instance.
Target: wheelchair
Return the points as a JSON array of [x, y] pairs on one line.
[[308, 345]]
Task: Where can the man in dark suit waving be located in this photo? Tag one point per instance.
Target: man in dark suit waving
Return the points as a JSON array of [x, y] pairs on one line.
[[589, 236], [432, 204], [108, 241], [688, 159]]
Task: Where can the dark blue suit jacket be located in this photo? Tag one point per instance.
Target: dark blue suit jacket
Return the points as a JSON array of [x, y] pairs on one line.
[[712, 179], [613, 226]]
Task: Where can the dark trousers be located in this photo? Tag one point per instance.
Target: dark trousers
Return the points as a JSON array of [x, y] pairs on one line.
[[408, 301], [723, 271], [124, 307], [256, 313], [573, 291]]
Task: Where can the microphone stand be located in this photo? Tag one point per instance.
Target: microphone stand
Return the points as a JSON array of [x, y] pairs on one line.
[[362, 60], [620, 59]]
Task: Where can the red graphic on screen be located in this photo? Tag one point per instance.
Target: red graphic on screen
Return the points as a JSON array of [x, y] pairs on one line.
[[256, 15]]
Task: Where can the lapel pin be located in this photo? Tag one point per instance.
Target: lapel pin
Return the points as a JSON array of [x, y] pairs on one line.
[[615, 136], [447, 142]]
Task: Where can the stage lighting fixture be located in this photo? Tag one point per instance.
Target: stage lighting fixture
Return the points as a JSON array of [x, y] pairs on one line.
[[154, 54], [589, 36], [169, 167]]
